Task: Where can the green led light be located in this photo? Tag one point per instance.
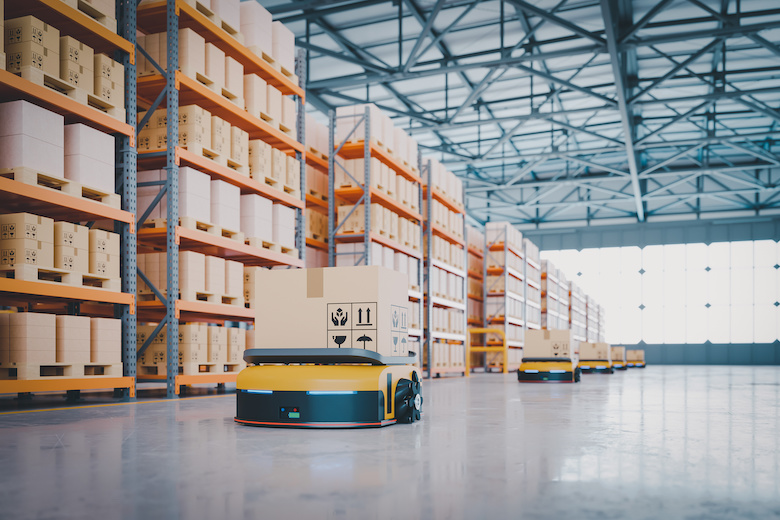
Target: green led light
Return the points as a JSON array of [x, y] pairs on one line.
[[294, 415]]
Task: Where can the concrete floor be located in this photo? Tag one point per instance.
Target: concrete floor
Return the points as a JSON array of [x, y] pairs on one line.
[[664, 442]]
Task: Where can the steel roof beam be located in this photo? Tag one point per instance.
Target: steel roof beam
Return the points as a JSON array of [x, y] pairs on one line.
[[301, 42], [727, 32], [652, 13], [423, 34], [546, 15], [612, 21]]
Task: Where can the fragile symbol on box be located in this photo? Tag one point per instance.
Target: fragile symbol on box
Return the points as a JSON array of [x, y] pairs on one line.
[[352, 325], [399, 329]]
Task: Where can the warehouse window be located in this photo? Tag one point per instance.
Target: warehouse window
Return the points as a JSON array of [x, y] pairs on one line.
[[725, 292]]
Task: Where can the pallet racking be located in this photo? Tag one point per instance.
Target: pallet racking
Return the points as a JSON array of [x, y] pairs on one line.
[[433, 229], [364, 193], [18, 196], [176, 88]]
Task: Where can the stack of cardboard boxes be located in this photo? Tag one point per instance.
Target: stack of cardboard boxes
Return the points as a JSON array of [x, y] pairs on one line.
[[32, 43], [591, 319], [505, 308], [578, 312], [26, 240], [266, 38], [271, 166], [552, 308], [77, 62], [37, 345], [89, 157], [595, 351], [32, 137], [533, 279], [551, 344], [202, 348]]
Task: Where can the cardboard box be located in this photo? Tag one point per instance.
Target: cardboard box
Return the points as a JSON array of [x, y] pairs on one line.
[[106, 340], [236, 345], [76, 52], [71, 235], [71, 259], [220, 136], [336, 307], [234, 77], [90, 172], [215, 64], [274, 103], [255, 93], [192, 271], [234, 278], [193, 343], [260, 160], [289, 112], [194, 194], [257, 217], [110, 91], [26, 251], [283, 225], [229, 11], [106, 242], [283, 45], [595, 351], [256, 27], [31, 29], [5, 340], [192, 53], [239, 146], [102, 264], [32, 338], [26, 225], [635, 356], [550, 344], [105, 67], [215, 275], [31, 54], [217, 345], [225, 205], [619, 355], [73, 339], [81, 139]]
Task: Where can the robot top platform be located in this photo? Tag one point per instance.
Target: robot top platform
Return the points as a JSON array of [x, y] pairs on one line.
[[324, 356]]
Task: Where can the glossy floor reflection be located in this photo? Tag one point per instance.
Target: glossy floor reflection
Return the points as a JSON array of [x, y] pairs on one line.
[[664, 442]]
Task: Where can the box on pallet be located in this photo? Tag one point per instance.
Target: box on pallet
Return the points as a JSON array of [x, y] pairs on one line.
[[225, 205], [31, 137], [236, 345], [274, 103], [257, 217], [283, 46], [595, 351], [550, 344], [256, 28], [260, 160], [89, 157], [77, 61], [338, 307], [217, 345], [26, 226], [283, 222], [31, 42], [618, 355], [73, 339], [32, 339]]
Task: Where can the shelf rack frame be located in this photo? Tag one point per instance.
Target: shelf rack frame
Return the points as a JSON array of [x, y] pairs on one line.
[[426, 172], [170, 189]]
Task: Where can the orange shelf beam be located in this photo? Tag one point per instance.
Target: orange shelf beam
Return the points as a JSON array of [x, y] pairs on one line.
[[63, 384], [317, 161], [195, 311], [192, 92], [17, 196], [195, 379], [316, 203], [352, 195], [248, 185], [151, 19], [213, 245], [72, 22], [474, 274], [439, 196], [355, 151], [13, 87], [316, 244], [379, 239], [46, 291], [476, 252], [446, 235]]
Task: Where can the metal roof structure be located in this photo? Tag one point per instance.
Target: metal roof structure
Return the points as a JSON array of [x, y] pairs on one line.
[[567, 112]]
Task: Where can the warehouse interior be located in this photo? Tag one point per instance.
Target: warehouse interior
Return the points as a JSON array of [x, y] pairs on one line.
[[370, 258]]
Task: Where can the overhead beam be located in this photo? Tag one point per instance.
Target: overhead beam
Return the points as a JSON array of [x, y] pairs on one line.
[[412, 59], [611, 15], [546, 15]]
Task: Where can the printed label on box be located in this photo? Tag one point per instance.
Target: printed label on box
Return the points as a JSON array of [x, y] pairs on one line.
[[352, 325]]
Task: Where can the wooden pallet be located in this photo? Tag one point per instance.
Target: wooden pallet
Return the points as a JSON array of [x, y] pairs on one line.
[[109, 107], [34, 273], [226, 299], [101, 282], [241, 168], [103, 370], [318, 153], [86, 7], [270, 120], [257, 51], [208, 153], [55, 83], [185, 294], [263, 244], [186, 369], [36, 178], [233, 368], [37, 371]]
